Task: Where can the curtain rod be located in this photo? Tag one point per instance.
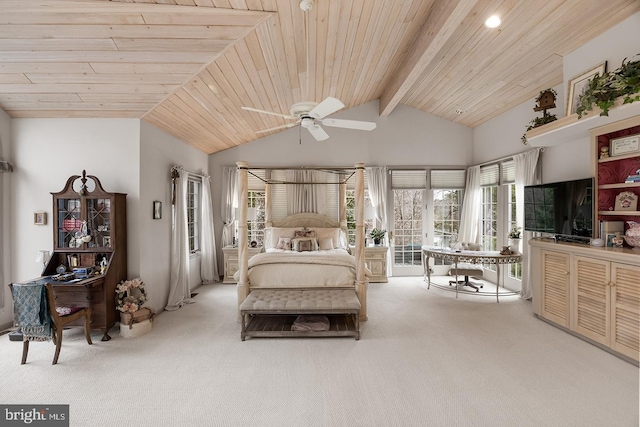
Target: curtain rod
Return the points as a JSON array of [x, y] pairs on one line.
[[199, 175], [502, 159]]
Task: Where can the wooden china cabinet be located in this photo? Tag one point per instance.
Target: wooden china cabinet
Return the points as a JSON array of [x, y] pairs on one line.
[[90, 239]]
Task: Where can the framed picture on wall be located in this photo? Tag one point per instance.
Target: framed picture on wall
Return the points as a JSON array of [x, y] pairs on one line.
[[157, 209], [577, 85], [40, 218]]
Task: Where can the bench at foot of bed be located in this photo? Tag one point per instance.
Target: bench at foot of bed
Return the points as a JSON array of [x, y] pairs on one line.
[[272, 312]]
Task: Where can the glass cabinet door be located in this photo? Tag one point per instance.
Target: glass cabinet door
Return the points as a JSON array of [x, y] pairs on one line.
[[69, 223], [99, 222]]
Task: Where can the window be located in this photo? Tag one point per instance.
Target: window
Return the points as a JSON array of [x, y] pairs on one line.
[[194, 187], [489, 220], [515, 270], [255, 228], [351, 216], [446, 217]]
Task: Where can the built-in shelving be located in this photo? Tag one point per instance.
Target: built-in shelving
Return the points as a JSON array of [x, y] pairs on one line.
[[619, 185], [619, 213]]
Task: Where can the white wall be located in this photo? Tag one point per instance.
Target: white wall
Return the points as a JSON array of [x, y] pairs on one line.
[[160, 151], [45, 153], [500, 137], [408, 137], [5, 229]]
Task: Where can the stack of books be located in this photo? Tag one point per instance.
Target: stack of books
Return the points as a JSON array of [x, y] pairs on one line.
[[632, 178]]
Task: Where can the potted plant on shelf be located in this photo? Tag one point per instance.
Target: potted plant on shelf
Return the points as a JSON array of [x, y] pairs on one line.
[[603, 90], [377, 235]]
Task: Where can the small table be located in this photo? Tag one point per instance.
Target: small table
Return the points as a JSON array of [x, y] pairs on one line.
[[473, 257]]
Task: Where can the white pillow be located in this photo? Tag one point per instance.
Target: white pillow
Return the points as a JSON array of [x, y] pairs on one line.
[[272, 235], [328, 232], [325, 243], [284, 243]]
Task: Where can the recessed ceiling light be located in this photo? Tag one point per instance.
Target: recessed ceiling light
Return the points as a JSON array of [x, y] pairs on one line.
[[493, 21], [459, 111]]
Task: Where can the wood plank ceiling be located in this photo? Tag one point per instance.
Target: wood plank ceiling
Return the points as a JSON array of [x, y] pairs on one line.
[[188, 66]]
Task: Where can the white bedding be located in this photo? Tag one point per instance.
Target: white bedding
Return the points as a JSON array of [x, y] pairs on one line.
[[289, 269]]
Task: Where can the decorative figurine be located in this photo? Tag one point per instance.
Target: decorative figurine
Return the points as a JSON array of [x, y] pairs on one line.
[[604, 152]]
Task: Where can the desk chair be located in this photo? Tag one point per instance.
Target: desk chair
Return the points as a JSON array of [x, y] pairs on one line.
[[466, 269], [60, 317]]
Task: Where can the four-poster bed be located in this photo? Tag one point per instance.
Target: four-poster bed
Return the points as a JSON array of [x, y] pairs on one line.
[[326, 265]]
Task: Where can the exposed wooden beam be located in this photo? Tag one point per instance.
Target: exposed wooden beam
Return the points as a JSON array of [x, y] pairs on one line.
[[440, 24]]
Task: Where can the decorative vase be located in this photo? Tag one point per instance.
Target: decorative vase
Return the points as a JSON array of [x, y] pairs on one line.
[[632, 235], [514, 244]]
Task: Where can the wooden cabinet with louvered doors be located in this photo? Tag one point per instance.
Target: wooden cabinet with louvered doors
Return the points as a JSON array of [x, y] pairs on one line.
[[591, 298], [555, 287], [625, 309]]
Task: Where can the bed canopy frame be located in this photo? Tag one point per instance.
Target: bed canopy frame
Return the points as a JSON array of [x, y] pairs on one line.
[[243, 286]]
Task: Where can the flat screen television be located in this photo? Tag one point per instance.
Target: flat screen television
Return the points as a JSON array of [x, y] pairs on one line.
[[560, 208]]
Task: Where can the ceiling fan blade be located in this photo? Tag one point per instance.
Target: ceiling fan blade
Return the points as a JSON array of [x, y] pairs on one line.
[[255, 110], [328, 106], [349, 124], [318, 133], [288, 125]]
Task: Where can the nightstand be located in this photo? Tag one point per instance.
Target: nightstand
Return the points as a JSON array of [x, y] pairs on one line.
[[231, 261], [375, 258]]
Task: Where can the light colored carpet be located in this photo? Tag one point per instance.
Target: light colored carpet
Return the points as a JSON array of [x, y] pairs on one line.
[[425, 358]]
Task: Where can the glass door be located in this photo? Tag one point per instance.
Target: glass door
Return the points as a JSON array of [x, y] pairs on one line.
[[408, 232], [69, 222]]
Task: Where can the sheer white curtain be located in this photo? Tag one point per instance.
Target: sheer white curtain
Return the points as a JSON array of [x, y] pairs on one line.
[[229, 203], [471, 207], [377, 186], [306, 197], [526, 165], [179, 288], [208, 263]]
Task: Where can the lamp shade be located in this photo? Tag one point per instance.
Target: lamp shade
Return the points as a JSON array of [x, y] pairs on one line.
[[43, 256]]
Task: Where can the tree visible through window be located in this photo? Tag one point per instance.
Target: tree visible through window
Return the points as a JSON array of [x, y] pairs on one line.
[[351, 216], [407, 206], [489, 221], [255, 228]]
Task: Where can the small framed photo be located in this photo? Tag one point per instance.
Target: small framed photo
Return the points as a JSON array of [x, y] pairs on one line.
[[624, 145], [157, 209], [577, 85], [613, 241], [626, 201], [40, 218]]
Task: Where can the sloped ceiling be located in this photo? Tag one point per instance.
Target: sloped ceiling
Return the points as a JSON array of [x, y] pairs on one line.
[[188, 66]]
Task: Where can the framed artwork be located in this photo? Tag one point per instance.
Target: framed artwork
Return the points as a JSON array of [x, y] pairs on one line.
[[624, 145], [577, 85], [626, 201], [157, 209], [40, 218]]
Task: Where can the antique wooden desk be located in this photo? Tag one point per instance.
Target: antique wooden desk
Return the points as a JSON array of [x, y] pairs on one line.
[[472, 257], [89, 292]]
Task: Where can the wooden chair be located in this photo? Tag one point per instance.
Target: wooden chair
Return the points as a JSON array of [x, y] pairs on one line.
[[58, 322]]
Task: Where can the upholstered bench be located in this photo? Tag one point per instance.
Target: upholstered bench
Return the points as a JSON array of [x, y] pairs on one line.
[[272, 312]]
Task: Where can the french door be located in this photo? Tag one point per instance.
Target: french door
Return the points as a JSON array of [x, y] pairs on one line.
[[408, 232]]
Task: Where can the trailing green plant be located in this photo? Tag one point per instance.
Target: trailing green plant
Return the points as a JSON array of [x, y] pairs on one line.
[[539, 121], [603, 90]]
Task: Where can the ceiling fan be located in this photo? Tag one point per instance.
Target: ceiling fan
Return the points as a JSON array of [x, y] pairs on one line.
[[310, 115]]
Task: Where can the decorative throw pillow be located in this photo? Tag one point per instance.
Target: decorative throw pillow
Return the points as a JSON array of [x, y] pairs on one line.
[[305, 244], [284, 243], [304, 233], [325, 244]]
